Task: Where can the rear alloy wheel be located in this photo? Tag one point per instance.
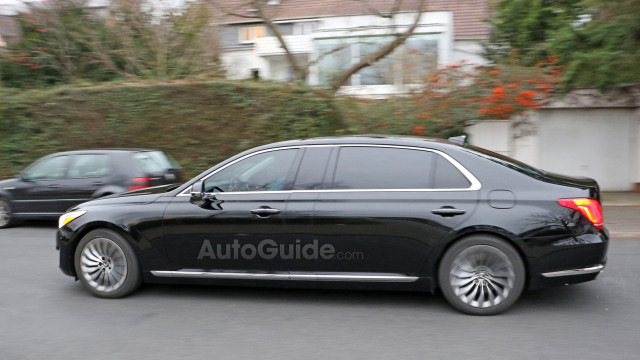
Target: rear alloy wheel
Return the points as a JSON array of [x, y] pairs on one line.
[[106, 264], [6, 218], [481, 275]]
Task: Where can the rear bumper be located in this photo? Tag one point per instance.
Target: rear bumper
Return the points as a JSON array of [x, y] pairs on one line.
[[575, 272], [569, 261]]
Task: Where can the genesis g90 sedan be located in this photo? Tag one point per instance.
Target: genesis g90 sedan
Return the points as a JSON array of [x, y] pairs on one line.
[[363, 212]]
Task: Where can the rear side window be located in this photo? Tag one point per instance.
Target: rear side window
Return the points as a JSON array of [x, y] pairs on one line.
[[89, 165], [383, 168]]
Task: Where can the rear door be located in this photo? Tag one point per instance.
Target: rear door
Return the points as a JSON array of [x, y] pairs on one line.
[[87, 174], [387, 208]]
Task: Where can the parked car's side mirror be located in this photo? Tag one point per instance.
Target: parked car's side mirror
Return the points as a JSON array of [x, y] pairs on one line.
[[197, 193]]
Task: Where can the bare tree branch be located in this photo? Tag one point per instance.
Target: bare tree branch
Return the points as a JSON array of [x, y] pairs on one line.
[[299, 72], [382, 52]]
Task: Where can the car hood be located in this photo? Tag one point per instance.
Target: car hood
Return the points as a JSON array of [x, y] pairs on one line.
[[7, 183], [135, 197]]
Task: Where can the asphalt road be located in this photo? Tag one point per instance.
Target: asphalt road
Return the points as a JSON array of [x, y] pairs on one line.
[[46, 315]]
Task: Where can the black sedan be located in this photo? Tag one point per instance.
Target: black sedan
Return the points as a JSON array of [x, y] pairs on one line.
[[366, 212]]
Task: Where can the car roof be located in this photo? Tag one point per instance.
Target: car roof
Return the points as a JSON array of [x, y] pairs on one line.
[[107, 150], [368, 140]]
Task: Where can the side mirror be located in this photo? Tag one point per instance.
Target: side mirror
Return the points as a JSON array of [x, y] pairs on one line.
[[197, 194]]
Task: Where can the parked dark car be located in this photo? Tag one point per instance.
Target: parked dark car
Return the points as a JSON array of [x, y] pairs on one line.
[[56, 182], [372, 212]]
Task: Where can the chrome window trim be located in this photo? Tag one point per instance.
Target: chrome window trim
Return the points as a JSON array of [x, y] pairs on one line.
[[298, 276], [475, 183]]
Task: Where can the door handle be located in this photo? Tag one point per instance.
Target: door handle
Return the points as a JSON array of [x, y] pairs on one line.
[[448, 211], [264, 211]]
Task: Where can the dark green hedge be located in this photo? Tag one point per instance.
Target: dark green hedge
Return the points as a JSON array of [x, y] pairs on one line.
[[198, 123]]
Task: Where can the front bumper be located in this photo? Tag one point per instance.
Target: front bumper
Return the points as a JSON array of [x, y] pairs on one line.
[[66, 254]]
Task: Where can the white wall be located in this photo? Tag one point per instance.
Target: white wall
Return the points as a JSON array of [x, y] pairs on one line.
[[468, 51], [238, 64], [595, 143], [600, 143], [494, 135]]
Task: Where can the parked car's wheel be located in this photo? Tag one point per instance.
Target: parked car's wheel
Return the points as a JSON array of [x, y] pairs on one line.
[[6, 217], [481, 275], [107, 265]]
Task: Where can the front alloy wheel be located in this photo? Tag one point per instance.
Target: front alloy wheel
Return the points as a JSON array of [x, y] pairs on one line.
[[106, 264], [6, 218], [481, 275]]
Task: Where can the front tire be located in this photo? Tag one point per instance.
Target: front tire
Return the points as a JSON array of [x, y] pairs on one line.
[[106, 264], [481, 275], [6, 216]]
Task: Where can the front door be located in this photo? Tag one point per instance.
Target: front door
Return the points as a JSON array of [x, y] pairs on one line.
[[241, 227], [40, 190]]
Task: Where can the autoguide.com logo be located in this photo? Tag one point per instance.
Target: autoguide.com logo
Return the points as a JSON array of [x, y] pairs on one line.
[[269, 249]]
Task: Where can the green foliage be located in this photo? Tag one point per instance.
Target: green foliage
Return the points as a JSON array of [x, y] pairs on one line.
[[199, 123], [396, 116], [597, 41], [604, 52], [523, 27], [64, 42]]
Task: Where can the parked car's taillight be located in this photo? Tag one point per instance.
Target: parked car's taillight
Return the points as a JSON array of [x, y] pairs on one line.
[[590, 208], [140, 183]]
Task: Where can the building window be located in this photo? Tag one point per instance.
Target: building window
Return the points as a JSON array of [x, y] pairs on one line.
[[249, 34], [410, 63], [304, 27]]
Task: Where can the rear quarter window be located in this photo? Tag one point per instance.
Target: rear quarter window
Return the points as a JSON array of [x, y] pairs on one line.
[[154, 162], [447, 176]]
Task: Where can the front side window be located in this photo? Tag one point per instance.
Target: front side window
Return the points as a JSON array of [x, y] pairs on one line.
[[50, 169], [266, 171], [89, 165], [383, 168]]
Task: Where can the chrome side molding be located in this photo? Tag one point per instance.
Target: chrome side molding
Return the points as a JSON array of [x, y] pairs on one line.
[[582, 271], [299, 276]]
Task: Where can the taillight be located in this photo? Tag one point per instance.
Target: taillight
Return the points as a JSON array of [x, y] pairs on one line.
[[140, 183], [590, 208]]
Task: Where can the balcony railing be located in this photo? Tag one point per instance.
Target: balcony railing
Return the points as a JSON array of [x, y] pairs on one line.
[[297, 44]]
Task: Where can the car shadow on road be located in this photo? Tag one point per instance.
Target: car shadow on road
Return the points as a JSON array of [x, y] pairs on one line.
[[569, 299]]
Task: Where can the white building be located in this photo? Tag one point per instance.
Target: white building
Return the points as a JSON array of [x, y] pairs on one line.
[[328, 36]]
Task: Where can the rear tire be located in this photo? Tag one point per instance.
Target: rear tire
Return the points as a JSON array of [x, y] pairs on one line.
[[106, 264], [481, 275]]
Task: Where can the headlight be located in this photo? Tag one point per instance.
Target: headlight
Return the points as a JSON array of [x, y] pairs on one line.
[[69, 217]]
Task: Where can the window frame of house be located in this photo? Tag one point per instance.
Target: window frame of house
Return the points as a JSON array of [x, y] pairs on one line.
[[249, 34], [395, 61]]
